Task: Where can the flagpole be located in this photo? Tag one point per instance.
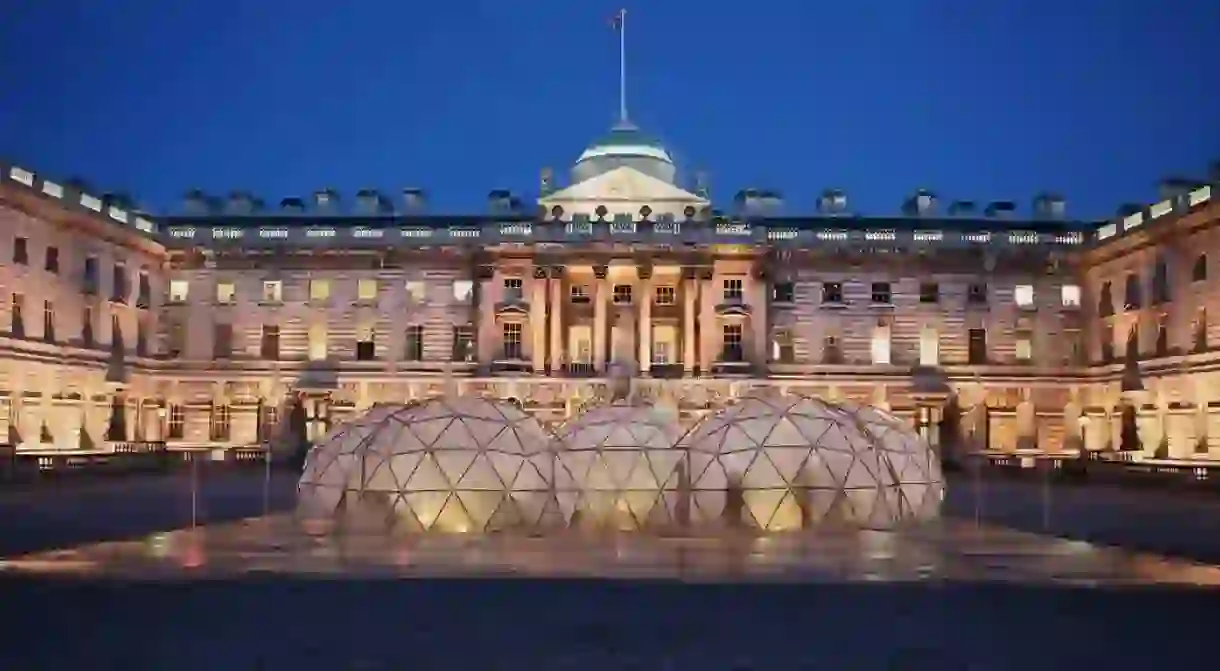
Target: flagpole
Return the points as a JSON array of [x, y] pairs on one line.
[[622, 65]]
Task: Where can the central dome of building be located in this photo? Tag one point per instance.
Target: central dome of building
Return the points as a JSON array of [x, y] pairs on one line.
[[625, 145], [776, 462]]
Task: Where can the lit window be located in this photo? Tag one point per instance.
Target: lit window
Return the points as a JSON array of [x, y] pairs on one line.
[[415, 290], [366, 289], [1024, 295], [273, 291], [1025, 347], [1071, 296], [733, 290], [225, 292], [881, 345], [178, 291], [317, 342], [665, 295], [622, 294], [929, 347], [319, 290], [462, 289]]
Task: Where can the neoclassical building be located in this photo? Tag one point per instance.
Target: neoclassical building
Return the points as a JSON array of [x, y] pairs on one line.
[[991, 326]]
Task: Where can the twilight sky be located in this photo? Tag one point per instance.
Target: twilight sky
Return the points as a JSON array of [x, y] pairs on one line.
[[991, 100]]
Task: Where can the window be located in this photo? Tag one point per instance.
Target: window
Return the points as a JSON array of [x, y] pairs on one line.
[[783, 292], [929, 347], [881, 345], [1107, 343], [178, 291], [733, 290], [929, 292], [176, 424], [1069, 295], [976, 346], [665, 295], [514, 290], [175, 340], [1200, 333], [273, 291], [218, 423], [662, 352], [91, 277], [366, 289], [141, 338], [511, 334], [1105, 302], [226, 292], [782, 349], [832, 292], [268, 422], [831, 351], [1160, 283], [21, 251], [319, 290], [144, 293], [976, 293], [366, 343], [881, 293], [462, 290], [52, 265], [1023, 294], [579, 294], [48, 321], [416, 290], [18, 316], [463, 343], [731, 349], [414, 343], [1024, 349], [269, 343], [317, 342], [622, 294], [1133, 298], [120, 289], [1198, 272], [222, 340], [86, 327], [1162, 336], [116, 334]]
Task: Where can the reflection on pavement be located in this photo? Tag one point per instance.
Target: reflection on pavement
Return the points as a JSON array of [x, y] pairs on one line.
[[945, 551]]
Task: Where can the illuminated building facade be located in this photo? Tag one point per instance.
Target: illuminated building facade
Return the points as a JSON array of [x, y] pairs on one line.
[[989, 328]]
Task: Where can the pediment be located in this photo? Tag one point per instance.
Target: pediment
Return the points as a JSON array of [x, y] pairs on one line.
[[623, 184]]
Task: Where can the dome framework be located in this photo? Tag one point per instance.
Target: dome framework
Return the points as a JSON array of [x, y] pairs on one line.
[[779, 463], [458, 464]]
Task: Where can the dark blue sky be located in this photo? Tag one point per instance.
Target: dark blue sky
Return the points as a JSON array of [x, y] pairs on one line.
[[977, 99]]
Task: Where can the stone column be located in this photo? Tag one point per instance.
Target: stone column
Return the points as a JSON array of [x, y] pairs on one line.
[[485, 340], [601, 298], [558, 341], [690, 291], [708, 324], [645, 318], [759, 340], [538, 334]]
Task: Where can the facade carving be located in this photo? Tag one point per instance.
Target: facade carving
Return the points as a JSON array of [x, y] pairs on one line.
[[988, 331]]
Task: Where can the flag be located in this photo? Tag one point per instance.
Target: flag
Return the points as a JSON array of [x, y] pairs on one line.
[[616, 21]]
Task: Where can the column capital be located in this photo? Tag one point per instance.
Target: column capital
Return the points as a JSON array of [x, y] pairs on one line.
[[556, 272], [540, 272], [601, 272], [644, 271], [706, 274]]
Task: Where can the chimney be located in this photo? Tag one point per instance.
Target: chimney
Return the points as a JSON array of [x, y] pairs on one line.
[[369, 201], [1000, 209], [1128, 209], [962, 208], [195, 202], [546, 182], [1049, 206], [326, 199], [292, 205], [832, 201], [1172, 188], [702, 187], [414, 199], [922, 204], [240, 202]]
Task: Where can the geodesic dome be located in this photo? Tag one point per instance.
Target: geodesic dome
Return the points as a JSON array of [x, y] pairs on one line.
[[446, 464], [787, 462], [617, 466]]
